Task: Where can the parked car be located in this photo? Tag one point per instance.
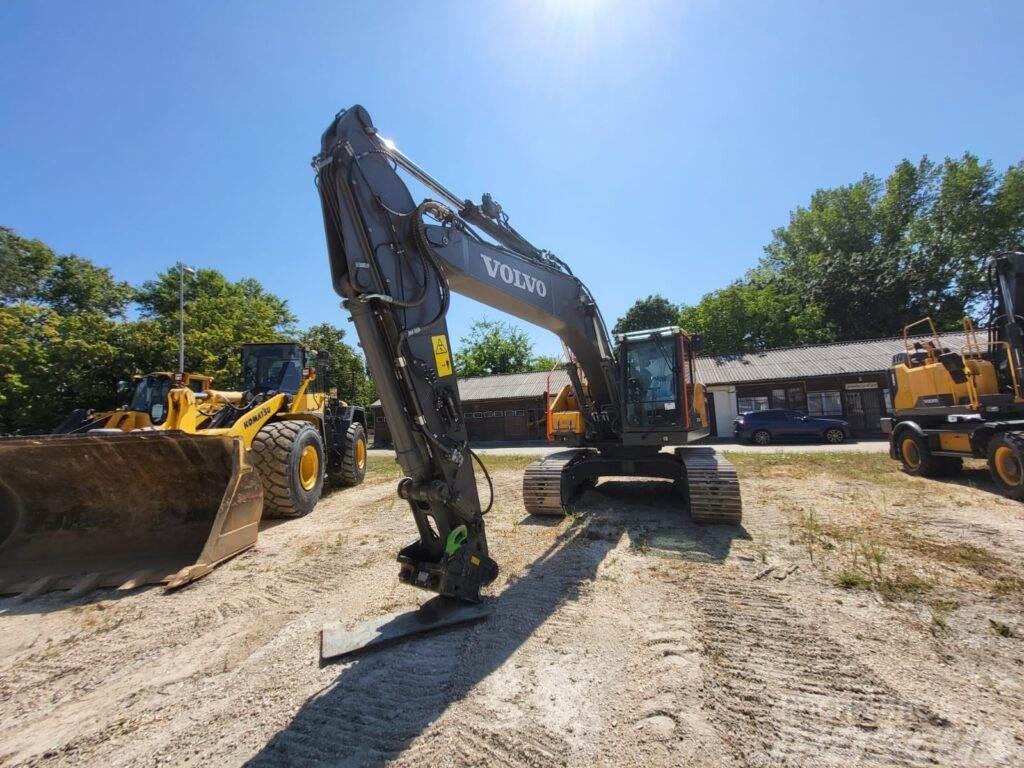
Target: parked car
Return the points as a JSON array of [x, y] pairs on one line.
[[762, 427]]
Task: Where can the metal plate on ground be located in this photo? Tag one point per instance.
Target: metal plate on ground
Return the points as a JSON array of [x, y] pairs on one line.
[[438, 613]]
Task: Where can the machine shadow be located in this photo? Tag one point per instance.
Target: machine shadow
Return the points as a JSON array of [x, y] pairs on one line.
[[59, 600], [978, 478], [385, 698]]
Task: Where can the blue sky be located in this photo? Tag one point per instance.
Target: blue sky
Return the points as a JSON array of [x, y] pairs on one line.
[[652, 145]]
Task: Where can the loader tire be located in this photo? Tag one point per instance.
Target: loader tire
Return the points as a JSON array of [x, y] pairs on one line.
[[353, 464], [289, 457], [1006, 463]]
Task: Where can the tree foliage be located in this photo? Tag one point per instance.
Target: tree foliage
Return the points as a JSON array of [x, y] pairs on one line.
[[493, 346], [346, 369], [219, 316], [66, 338], [653, 312], [862, 260]]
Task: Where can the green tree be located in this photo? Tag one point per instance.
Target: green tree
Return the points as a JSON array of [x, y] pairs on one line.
[[220, 316], [862, 260], [24, 266], [653, 312], [493, 346], [874, 255], [76, 285], [347, 371], [752, 314]]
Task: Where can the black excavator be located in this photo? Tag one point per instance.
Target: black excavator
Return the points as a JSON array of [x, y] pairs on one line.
[[396, 262]]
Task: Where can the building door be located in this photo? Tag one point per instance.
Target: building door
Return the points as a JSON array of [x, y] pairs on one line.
[[863, 410], [535, 425]]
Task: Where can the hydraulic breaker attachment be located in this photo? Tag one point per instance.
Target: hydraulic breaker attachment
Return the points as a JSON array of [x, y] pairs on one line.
[[80, 512]]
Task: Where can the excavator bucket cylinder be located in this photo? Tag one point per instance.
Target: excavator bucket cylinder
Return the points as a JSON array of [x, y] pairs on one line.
[[79, 512]]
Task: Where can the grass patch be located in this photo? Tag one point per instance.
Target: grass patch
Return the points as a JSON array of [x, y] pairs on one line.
[[875, 468], [851, 579], [940, 610], [385, 467], [903, 586]]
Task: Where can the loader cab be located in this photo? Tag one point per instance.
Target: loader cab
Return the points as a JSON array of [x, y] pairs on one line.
[[279, 367], [149, 396], [273, 367], [660, 399]]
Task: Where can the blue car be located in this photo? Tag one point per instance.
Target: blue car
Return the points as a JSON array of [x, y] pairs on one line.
[[762, 427]]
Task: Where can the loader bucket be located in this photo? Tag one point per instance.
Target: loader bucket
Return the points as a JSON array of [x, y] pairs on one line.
[[80, 512]]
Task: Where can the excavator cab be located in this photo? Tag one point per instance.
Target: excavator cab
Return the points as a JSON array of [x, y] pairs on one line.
[[658, 387]]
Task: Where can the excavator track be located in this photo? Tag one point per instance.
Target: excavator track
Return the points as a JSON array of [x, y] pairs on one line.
[[713, 489], [709, 482], [544, 483]]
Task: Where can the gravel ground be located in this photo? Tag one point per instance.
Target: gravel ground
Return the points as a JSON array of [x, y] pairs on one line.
[[858, 617]]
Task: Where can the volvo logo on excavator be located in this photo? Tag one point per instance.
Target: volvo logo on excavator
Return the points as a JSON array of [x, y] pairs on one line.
[[513, 276]]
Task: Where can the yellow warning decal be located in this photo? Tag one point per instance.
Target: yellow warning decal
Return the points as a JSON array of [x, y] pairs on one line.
[[442, 357]]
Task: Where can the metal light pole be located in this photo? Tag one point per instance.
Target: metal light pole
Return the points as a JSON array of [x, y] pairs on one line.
[[182, 269]]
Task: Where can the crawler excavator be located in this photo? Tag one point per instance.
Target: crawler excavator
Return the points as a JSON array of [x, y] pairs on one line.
[[956, 404], [396, 262]]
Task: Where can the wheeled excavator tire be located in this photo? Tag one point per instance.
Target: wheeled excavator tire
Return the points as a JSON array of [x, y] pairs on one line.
[[289, 458], [1006, 463], [353, 463], [917, 458]]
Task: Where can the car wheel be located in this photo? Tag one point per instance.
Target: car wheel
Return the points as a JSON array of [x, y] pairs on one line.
[[761, 437], [834, 435]]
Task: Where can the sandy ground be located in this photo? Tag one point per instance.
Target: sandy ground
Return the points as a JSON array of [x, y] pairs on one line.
[[623, 635]]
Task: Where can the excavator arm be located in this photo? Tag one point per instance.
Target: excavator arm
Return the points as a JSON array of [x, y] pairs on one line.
[[395, 263]]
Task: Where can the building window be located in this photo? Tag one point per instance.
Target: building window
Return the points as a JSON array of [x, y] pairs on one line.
[[795, 399], [778, 398], [887, 396], [824, 404], [747, 404]]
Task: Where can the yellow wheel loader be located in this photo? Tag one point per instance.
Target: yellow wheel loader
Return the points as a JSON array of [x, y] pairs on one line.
[[166, 504], [145, 404]]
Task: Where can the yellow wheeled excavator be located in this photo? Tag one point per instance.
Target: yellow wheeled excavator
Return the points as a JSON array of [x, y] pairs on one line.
[[952, 404], [167, 503], [396, 262]]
